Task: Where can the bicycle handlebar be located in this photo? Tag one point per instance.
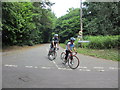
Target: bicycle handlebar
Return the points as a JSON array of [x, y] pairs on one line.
[[74, 53]]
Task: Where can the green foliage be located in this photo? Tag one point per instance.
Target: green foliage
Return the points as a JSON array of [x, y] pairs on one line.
[[102, 42], [68, 26], [101, 18], [26, 23]]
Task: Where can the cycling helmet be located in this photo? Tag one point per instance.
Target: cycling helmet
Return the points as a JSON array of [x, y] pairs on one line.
[[72, 39], [56, 35]]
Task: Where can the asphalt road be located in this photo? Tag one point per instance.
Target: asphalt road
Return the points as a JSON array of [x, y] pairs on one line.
[[31, 68]]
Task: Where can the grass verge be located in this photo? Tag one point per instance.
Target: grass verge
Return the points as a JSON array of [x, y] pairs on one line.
[[109, 54]]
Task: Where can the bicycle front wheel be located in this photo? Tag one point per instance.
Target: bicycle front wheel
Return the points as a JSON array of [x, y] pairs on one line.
[[74, 62], [63, 56], [52, 55]]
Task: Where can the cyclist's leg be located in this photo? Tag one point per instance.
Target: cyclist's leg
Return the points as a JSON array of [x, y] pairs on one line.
[[67, 53], [51, 46], [71, 56], [55, 45]]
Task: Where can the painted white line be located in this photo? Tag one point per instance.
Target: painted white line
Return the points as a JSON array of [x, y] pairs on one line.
[[98, 67], [69, 69], [45, 67], [55, 64], [6, 65], [64, 69], [82, 67], [35, 67], [113, 68], [10, 65], [14, 66], [88, 70], [101, 70], [29, 66]]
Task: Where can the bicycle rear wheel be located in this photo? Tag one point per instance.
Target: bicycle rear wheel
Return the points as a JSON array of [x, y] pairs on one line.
[[74, 63]]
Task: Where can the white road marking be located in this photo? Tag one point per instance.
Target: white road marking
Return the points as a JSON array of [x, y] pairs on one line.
[[10, 65], [113, 68], [45, 67], [101, 70], [35, 67], [6, 65], [55, 64], [29, 66], [64, 69], [68, 69], [82, 67], [98, 67], [88, 70]]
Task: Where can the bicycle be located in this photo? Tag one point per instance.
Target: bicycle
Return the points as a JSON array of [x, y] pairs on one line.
[[72, 60], [52, 53]]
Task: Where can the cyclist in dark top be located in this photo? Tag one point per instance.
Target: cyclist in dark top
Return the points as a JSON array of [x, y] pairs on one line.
[[54, 43]]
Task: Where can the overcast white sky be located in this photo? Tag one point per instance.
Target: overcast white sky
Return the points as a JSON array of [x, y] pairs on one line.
[[61, 6]]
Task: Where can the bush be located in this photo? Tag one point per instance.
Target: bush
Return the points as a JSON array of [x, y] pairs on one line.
[[102, 42]]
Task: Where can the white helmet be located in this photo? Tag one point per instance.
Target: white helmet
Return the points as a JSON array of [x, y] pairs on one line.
[[56, 35], [72, 39]]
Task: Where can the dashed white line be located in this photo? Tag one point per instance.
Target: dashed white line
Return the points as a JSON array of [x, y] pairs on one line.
[[98, 67], [45, 67], [113, 68], [35, 67], [10, 65], [64, 69], [88, 70], [82, 67], [101, 70], [29, 66]]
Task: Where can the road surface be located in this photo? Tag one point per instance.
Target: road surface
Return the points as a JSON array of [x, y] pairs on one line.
[[31, 68]]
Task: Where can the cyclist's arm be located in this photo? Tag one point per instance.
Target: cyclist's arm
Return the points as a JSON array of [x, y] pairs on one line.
[[74, 49], [58, 44], [53, 43]]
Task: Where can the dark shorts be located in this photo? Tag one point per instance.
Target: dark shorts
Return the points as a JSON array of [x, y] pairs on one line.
[[52, 44], [67, 53]]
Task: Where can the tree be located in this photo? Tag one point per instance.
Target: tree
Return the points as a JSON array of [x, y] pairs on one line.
[[26, 23], [101, 18], [68, 25]]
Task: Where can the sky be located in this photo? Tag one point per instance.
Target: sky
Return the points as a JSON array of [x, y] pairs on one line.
[[61, 6]]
